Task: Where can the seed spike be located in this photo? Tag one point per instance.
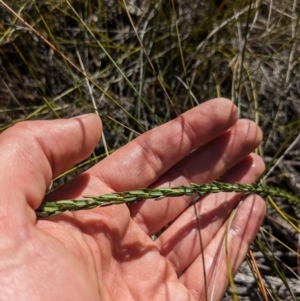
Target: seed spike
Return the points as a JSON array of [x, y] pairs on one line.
[[48, 209]]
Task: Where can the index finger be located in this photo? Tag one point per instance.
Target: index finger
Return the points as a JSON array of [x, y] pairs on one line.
[[142, 161]]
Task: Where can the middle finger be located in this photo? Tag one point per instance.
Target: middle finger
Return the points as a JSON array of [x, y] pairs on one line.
[[202, 166]]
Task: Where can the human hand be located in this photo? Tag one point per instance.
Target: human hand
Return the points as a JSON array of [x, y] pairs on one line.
[[107, 253]]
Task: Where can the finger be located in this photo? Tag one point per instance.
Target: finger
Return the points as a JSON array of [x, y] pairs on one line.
[[246, 171], [34, 152], [180, 242], [143, 160], [241, 233], [202, 166]]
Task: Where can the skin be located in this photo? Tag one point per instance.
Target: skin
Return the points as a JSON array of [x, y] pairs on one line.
[[107, 253]]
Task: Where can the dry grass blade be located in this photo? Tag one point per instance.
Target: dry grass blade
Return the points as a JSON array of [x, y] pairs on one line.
[[243, 50]]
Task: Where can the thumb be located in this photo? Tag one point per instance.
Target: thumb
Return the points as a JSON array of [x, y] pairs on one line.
[[34, 152]]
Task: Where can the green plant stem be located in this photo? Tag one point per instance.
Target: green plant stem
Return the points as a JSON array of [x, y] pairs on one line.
[[48, 209]]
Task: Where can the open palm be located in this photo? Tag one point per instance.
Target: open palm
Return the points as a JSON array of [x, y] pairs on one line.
[[107, 253]]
